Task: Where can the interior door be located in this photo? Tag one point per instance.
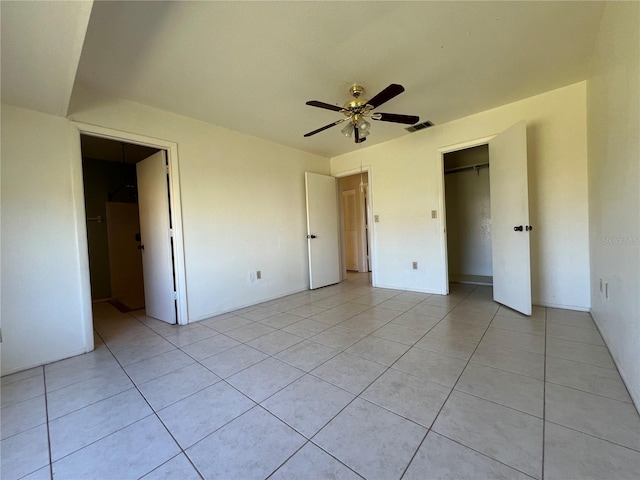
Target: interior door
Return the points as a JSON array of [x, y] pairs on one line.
[[350, 229], [125, 259], [510, 219], [155, 232], [322, 230]]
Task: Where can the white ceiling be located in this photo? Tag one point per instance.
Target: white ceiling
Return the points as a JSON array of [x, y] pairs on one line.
[[251, 66], [41, 45]]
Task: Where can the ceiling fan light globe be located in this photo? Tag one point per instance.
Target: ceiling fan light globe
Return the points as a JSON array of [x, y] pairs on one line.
[[347, 131], [364, 126]]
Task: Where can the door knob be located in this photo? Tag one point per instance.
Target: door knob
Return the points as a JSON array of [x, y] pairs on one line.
[[140, 247], [311, 236], [519, 228], [528, 228]]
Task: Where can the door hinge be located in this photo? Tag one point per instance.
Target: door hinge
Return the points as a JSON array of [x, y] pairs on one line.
[[167, 168], [175, 295], [171, 232]]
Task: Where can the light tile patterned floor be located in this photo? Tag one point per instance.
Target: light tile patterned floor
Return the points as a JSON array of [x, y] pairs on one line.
[[348, 381]]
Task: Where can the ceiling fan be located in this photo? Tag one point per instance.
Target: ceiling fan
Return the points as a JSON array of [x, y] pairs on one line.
[[357, 111]]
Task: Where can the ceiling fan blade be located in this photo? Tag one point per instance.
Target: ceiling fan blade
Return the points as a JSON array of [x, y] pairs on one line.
[[385, 95], [321, 129], [395, 118], [328, 106]]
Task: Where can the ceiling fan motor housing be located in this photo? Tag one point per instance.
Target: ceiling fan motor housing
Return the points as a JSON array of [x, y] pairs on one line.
[[358, 105]]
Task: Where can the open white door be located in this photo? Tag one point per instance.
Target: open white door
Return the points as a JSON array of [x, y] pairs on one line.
[[322, 230], [155, 231], [510, 219], [350, 229], [125, 259]]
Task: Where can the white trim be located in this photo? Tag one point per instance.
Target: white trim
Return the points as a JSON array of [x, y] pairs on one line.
[[413, 290], [280, 296], [575, 308], [77, 182], [442, 203], [175, 200], [372, 226]]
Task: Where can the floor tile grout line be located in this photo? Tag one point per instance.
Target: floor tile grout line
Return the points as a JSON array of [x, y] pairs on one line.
[[259, 404], [581, 362], [172, 458], [46, 411], [591, 393], [307, 440], [615, 363], [544, 392], [578, 341], [475, 362], [356, 396], [153, 412], [500, 404], [451, 392], [483, 454], [429, 429], [637, 450]]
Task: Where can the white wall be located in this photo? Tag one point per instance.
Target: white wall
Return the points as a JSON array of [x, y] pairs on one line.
[[406, 185], [243, 204], [44, 257], [613, 102]]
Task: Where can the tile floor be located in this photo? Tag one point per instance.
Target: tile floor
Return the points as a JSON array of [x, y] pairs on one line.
[[348, 381]]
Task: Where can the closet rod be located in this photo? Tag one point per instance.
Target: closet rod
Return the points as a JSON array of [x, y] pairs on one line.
[[477, 166]]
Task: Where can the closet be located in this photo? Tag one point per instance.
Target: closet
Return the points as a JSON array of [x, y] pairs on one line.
[[468, 215]]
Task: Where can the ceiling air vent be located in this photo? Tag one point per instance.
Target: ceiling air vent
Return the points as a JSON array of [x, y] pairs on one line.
[[419, 126]]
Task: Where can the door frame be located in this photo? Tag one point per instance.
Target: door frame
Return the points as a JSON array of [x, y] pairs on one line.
[[171, 149], [442, 204], [371, 231]]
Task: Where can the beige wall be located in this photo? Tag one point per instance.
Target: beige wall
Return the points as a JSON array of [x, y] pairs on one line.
[[243, 210], [406, 185], [46, 302], [613, 102], [243, 204]]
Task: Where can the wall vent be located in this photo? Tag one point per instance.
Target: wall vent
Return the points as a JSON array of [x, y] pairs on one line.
[[419, 126]]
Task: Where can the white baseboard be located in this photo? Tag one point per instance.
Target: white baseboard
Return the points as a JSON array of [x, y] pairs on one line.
[[577, 308], [416, 290], [250, 304]]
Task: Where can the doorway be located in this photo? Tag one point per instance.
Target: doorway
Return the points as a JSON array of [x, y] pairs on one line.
[[353, 193], [128, 207], [509, 215], [468, 215], [113, 225]]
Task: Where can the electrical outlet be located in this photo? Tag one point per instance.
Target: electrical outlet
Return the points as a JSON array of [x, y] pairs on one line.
[[376, 218], [259, 275], [434, 214], [415, 265]]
